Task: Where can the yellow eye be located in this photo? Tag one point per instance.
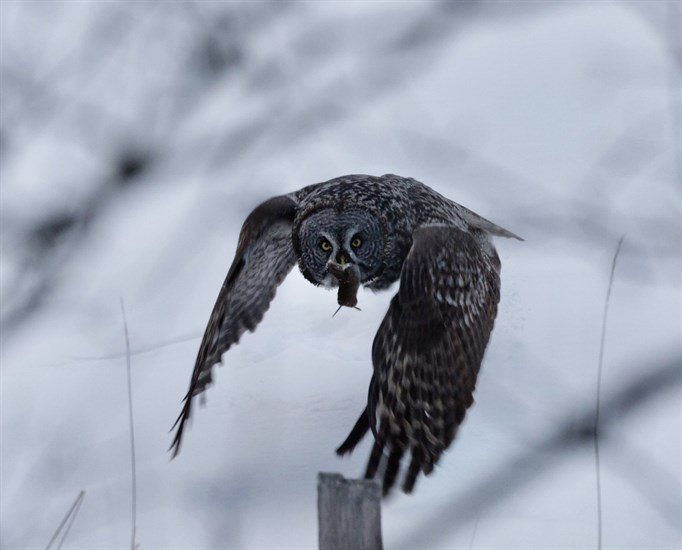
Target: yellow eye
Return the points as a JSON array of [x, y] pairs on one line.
[[356, 242], [326, 245]]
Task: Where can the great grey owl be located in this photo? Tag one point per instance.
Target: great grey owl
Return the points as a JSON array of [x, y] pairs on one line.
[[371, 231]]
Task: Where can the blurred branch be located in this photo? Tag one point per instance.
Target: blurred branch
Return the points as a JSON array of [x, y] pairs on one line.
[[656, 486], [576, 433]]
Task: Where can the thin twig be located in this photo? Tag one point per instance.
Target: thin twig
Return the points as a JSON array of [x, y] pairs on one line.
[[70, 514], [597, 464], [132, 429], [473, 533], [79, 501], [139, 351]]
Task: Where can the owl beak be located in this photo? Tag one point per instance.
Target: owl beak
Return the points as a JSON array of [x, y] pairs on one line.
[[340, 268]]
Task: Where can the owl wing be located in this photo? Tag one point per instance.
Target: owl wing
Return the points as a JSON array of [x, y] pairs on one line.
[[264, 257], [427, 352]]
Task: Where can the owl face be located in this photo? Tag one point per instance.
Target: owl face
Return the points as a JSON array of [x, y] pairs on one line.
[[330, 240]]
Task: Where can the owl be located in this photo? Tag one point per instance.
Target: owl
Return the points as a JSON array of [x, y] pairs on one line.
[[373, 231]]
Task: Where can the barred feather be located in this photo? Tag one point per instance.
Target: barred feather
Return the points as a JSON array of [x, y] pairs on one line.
[[428, 351]]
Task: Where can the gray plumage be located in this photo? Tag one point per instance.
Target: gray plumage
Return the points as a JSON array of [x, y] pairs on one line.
[[372, 231]]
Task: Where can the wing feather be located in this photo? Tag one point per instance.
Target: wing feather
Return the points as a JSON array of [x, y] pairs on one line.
[[264, 257], [428, 351]]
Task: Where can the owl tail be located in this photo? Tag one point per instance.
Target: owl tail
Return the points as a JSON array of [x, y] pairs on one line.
[[356, 434]]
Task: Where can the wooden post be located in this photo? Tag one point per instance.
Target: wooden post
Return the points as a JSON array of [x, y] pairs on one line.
[[348, 513]]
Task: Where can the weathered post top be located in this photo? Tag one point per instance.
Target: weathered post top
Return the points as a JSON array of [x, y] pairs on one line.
[[349, 513]]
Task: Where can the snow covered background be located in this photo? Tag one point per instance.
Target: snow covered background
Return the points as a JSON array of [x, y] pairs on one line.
[[135, 137]]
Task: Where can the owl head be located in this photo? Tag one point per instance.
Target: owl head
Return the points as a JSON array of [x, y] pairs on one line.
[[328, 241]]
